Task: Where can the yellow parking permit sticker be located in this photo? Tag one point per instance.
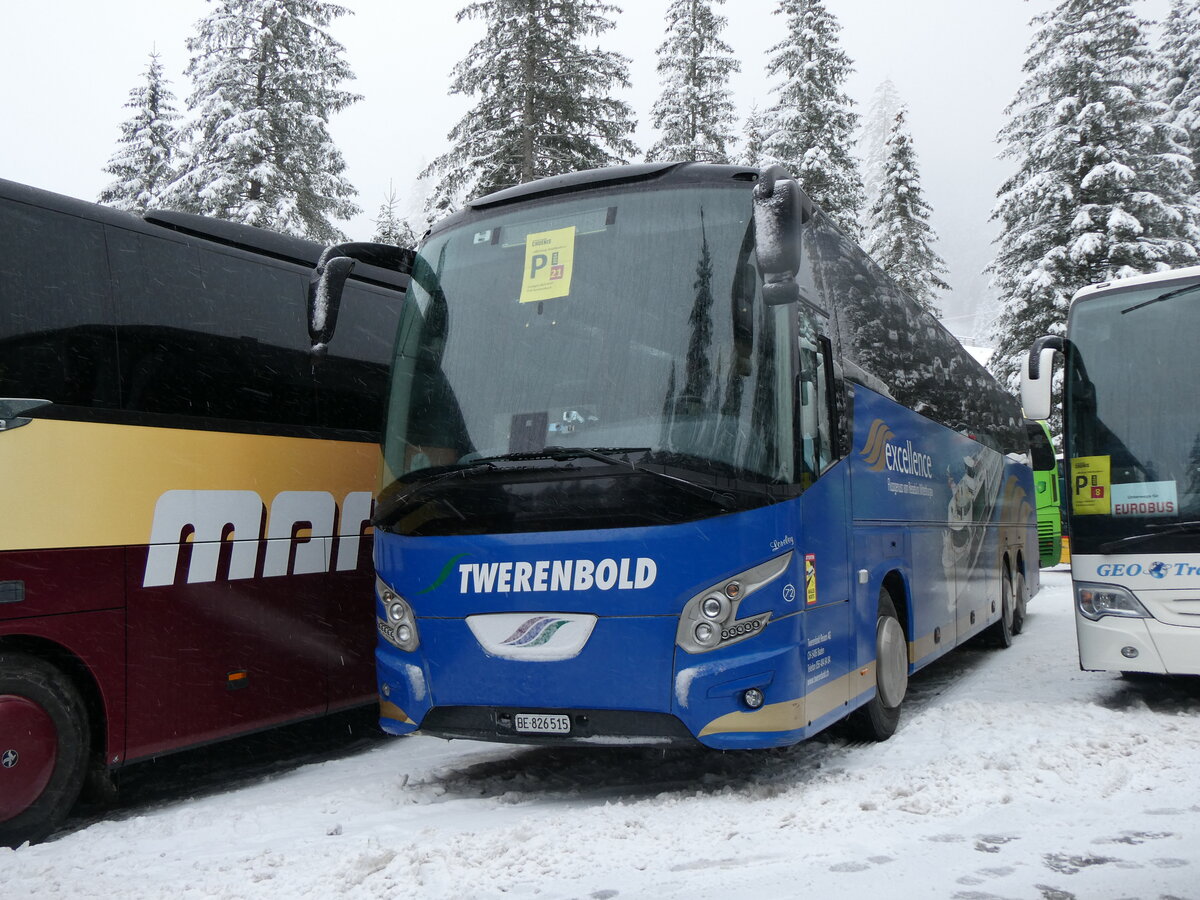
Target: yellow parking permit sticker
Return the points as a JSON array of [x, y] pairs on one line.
[[810, 579], [549, 258], [1091, 485]]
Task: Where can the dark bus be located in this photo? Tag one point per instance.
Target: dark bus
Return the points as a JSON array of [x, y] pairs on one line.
[[189, 462]]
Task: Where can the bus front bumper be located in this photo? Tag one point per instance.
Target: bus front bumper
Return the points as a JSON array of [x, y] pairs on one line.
[[1118, 644], [628, 693]]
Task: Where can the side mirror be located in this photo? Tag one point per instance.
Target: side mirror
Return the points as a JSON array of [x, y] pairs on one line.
[[778, 217], [1037, 376], [780, 293], [12, 410], [329, 278], [325, 296]]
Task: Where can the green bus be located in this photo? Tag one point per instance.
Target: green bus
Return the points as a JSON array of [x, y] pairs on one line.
[[1046, 484]]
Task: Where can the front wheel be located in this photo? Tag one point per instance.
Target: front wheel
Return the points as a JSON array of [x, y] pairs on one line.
[[879, 718], [43, 747]]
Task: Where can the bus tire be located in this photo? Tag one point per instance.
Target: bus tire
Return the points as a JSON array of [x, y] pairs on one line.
[[1000, 633], [44, 737], [878, 719], [1020, 601]]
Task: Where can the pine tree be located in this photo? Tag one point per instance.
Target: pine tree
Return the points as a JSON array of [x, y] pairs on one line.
[[872, 141], [1102, 183], [544, 99], [144, 162], [1181, 54], [265, 76], [390, 226], [812, 125], [901, 237], [755, 140], [695, 110]]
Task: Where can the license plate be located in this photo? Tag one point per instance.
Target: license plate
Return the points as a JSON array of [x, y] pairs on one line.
[[536, 723]]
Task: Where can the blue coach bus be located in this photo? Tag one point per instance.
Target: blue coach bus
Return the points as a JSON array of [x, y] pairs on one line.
[[668, 459]]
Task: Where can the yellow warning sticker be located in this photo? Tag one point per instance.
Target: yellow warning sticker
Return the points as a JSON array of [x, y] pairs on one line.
[[549, 258], [810, 579], [1091, 486]]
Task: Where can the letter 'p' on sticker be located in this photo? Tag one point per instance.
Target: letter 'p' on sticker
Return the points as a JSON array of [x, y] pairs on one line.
[[549, 259]]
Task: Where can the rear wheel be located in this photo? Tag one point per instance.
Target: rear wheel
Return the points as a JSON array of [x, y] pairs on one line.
[[43, 747], [1000, 633], [879, 718], [1020, 599]]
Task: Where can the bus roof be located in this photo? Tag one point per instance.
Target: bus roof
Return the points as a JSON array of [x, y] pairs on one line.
[[609, 176], [261, 241], [1137, 281]]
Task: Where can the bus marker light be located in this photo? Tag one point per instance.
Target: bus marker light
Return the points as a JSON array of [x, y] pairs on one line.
[[733, 590], [753, 698], [1129, 652], [237, 680]]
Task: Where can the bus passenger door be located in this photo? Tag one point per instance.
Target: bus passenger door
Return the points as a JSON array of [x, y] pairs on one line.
[[828, 648]]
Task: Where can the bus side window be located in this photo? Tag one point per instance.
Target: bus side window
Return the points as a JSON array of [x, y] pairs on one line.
[[57, 341], [211, 334], [816, 409]]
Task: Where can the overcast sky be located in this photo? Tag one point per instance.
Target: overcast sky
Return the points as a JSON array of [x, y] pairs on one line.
[[67, 67]]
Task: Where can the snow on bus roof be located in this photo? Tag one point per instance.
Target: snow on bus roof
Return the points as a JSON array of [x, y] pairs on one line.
[[1118, 284]]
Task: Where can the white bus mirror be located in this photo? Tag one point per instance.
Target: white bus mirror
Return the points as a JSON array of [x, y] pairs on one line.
[[1037, 377]]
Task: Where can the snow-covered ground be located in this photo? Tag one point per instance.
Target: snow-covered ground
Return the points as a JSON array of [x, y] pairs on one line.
[[1013, 775]]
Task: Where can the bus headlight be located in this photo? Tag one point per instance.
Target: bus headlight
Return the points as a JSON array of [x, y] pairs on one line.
[[1098, 600], [398, 624], [709, 620], [715, 606]]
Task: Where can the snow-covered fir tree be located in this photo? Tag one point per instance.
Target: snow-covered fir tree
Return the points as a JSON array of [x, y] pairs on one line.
[[813, 124], [1181, 56], [390, 225], [544, 99], [755, 136], [143, 163], [695, 110], [901, 237], [1102, 184], [871, 146], [266, 76]]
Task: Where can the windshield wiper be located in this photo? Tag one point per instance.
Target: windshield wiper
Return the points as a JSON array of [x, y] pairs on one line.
[[389, 508], [722, 499], [1152, 531], [1177, 292]]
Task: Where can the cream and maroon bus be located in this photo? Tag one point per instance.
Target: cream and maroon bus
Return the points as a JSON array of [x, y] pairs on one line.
[[188, 455]]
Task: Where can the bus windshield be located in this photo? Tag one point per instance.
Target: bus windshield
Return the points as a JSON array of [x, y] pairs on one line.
[[1134, 442], [624, 322]]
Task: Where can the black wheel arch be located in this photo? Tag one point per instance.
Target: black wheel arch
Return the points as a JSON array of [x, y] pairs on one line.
[[77, 672], [897, 587]]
